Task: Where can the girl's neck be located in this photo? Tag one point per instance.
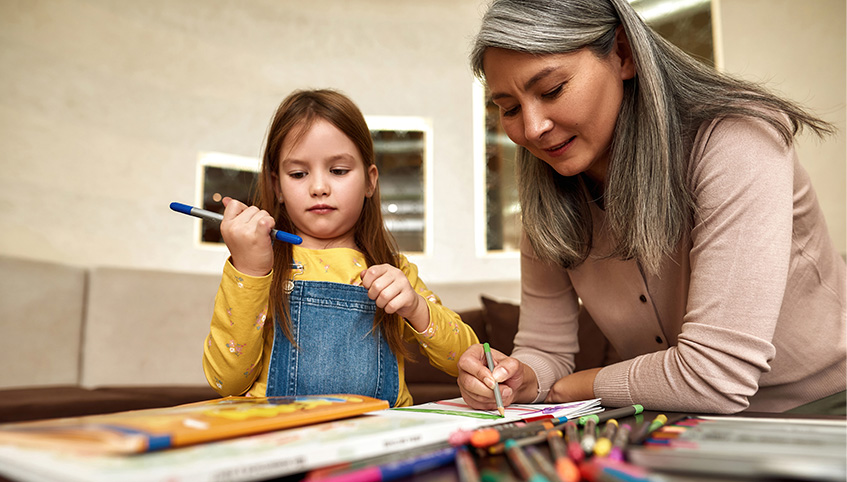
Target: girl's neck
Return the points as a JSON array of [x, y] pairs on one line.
[[314, 243]]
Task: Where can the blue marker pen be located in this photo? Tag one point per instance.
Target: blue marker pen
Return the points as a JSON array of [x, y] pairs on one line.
[[213, 216]]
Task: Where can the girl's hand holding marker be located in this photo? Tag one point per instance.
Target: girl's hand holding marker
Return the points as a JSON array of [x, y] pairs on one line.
[[246, 232]]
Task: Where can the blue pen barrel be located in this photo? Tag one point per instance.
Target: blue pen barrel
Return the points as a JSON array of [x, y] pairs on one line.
[[217, 217]]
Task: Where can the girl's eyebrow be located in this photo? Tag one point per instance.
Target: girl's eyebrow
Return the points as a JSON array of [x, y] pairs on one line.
[[344, 155], [290, 160], [335, 157]]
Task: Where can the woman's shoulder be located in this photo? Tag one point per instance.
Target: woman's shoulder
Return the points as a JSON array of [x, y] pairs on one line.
[[744, 126], [736, 154], [729, 138]]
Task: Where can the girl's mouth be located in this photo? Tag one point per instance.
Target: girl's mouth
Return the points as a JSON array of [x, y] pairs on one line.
[[320, 208]]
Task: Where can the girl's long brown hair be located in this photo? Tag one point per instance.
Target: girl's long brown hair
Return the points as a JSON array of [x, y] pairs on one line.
[[302, 108]]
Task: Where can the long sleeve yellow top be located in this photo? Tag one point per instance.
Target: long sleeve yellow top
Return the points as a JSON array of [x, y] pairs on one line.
[[238, 348]]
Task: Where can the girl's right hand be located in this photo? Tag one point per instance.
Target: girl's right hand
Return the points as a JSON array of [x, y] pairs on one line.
[[247, 234], [476, 381]]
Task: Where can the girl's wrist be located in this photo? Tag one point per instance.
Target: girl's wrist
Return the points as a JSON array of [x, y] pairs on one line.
[[420, 319]]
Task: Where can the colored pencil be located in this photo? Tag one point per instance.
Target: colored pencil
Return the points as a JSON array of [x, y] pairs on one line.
[[497, 396]]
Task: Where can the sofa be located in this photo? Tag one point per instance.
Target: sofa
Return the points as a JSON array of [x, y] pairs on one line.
[[88, 340]]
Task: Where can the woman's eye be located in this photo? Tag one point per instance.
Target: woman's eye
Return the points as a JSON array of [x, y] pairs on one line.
[[509, 112], [553, 93]]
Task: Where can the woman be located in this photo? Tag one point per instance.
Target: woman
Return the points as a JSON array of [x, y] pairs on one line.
[[669, 200]]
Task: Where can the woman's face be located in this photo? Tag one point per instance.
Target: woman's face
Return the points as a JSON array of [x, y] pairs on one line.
[[561, 107]]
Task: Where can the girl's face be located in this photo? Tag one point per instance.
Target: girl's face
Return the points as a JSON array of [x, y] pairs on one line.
[[561, 107], [323, 184]]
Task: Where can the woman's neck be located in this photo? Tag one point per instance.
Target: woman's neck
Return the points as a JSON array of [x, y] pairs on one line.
[[595, 190]]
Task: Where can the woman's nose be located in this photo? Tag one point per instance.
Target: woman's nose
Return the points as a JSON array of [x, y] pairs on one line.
[[536, 124]]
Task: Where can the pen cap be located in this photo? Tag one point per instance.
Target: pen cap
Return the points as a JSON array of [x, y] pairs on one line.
[[181, 208]]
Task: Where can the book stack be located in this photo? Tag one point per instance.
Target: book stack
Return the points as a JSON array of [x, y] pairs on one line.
[[240, 438]]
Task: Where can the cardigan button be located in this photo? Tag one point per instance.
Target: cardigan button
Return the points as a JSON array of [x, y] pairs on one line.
[[658, 339], [643, 298]]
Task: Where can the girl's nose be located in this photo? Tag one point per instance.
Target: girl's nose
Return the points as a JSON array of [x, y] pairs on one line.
[[319, 186]]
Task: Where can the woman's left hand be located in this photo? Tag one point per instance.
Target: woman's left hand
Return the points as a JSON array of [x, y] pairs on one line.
[[391, 290], [573, 387]]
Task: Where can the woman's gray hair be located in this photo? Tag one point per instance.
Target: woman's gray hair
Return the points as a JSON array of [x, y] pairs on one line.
[[647, 201]]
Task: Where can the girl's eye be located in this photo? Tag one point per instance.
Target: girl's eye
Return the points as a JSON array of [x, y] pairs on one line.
[[339, 171], [550, 94], [297, 175]]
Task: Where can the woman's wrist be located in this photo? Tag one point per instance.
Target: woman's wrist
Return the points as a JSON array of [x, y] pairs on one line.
[[528, 390]]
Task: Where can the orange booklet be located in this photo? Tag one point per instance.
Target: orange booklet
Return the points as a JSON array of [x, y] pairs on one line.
[[161, 428]]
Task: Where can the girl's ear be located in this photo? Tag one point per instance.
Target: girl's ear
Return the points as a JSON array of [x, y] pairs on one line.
[[277, 189], [373, 177], [623, 50]]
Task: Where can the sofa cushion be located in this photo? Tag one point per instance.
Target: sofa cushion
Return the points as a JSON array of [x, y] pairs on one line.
[[501, 323], [146, 327], [19, 405], [419, 370], [41, 322]]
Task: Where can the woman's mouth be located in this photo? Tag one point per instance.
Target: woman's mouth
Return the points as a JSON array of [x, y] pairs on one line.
[[560, 149]]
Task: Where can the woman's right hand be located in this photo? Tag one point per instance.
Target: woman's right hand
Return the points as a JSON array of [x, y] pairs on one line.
[[247, 234], [476, 381]]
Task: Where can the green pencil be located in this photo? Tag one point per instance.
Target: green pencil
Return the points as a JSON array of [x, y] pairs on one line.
[[497, 396]]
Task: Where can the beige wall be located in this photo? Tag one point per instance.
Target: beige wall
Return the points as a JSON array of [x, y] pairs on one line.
[[106, 106], [798, 49]]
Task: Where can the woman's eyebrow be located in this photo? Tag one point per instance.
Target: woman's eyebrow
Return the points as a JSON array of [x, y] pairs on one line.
[[529, 83]]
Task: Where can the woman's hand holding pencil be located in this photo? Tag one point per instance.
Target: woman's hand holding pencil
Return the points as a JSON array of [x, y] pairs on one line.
[[479, 382]]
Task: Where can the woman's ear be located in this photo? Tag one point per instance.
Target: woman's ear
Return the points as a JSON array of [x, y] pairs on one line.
[[373, 177], [623, 50]]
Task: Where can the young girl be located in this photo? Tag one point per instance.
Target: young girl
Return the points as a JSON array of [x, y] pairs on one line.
[[329, 315]]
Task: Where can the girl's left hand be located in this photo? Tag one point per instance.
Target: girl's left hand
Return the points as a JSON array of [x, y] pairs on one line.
[[391, 290]]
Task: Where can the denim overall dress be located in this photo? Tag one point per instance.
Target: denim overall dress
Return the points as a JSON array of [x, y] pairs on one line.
[[338, 350]]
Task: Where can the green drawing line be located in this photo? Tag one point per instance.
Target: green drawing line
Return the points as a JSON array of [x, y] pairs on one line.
[[486, 416]]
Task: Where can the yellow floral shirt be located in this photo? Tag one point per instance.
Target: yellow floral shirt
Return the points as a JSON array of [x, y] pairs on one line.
[[238, 348]]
